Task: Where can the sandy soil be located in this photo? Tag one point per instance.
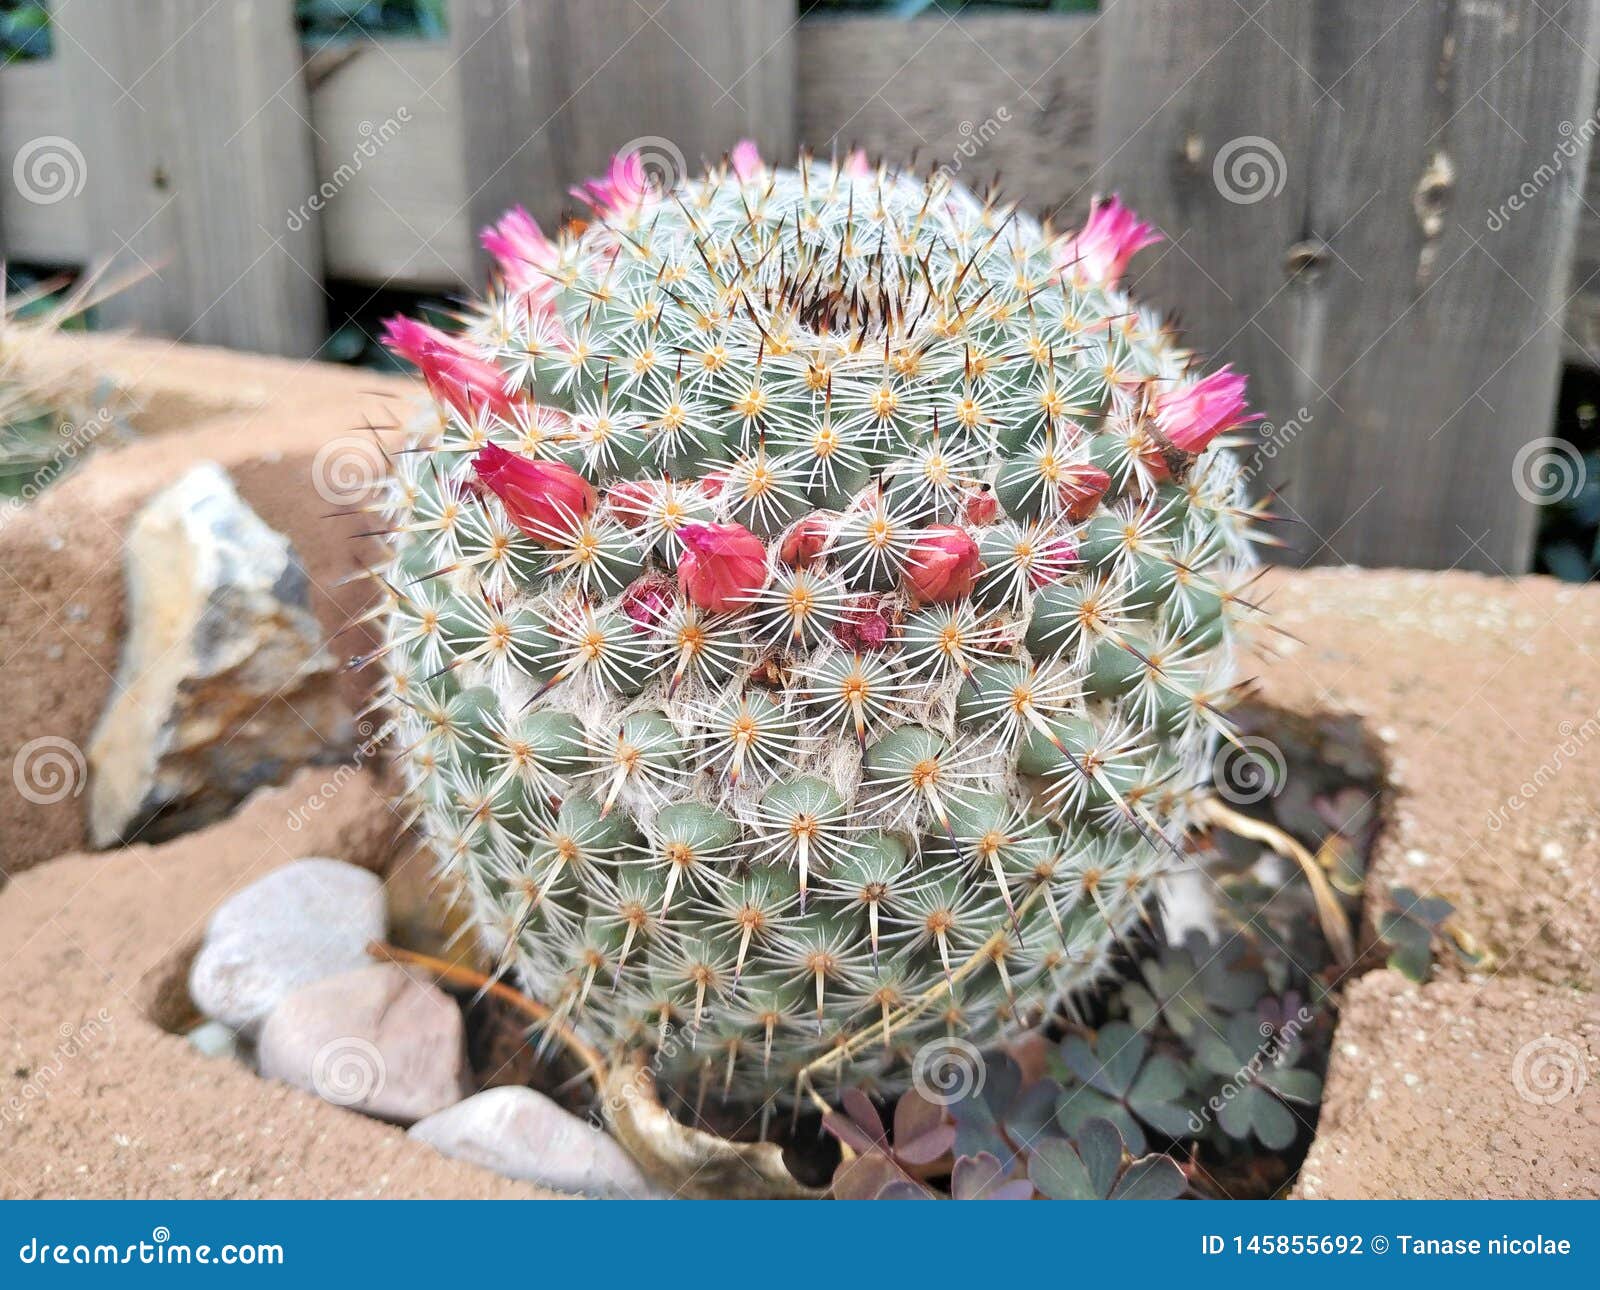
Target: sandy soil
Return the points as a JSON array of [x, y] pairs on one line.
[[1484, 697], [1460, 1089], [97, 1099]]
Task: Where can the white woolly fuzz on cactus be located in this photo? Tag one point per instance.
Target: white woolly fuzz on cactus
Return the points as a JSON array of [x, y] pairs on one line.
[[811, 613]]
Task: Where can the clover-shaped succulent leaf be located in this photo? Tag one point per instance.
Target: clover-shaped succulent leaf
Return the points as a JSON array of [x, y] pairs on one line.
[[1092, 1167]]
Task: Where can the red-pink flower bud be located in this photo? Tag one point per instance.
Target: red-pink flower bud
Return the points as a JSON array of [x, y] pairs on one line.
[[723, 566], [981, 506], [1081, 488], [804, 542], [545, 499], [455, 375], [1052, 561], [1195, 415], [631, 500], [865, 625], [646, 600], [942, 565]]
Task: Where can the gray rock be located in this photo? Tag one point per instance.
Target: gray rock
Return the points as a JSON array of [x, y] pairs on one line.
[[521, 1133], [224, 684], [308, 920], [377, 1040]]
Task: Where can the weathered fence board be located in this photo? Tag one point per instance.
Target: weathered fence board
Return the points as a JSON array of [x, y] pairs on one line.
[[1356, 273], [33, 105], [551, 89], [389, 118], [190, 121], [1381, 282], [1012, 96], [889, 85]]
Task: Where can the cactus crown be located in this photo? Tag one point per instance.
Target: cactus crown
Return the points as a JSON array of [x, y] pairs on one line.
[[809, 612]]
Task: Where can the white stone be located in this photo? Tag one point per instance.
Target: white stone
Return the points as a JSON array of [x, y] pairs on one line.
[[520, 1133], [376, 1040], [310, 919], [213, 1039]]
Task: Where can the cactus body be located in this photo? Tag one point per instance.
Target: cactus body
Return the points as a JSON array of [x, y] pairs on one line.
[[801, 608]]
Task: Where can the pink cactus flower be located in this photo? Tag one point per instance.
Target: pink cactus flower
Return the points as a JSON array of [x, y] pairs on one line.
[[545, 499], [723, 566], [525, 255], [455, 375], [746, 159], [1193, 416], [942, 565], [856, 164], [1109, 238], [624, 188]]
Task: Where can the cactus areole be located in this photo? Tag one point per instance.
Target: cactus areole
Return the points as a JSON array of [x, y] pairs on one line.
[[811, 604]]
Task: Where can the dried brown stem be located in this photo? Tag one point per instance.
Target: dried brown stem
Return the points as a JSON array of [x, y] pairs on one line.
[[1330, 911]]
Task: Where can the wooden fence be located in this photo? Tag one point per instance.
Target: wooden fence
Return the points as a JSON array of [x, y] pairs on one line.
[[1383, 295]]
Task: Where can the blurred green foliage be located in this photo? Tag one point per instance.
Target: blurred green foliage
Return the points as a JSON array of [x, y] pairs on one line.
[[1568, 545], [323, 20], [24, 30], [355, 318], [915, 8], [25, 24]]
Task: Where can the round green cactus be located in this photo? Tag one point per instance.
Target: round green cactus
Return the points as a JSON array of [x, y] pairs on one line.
[[810, 610]]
